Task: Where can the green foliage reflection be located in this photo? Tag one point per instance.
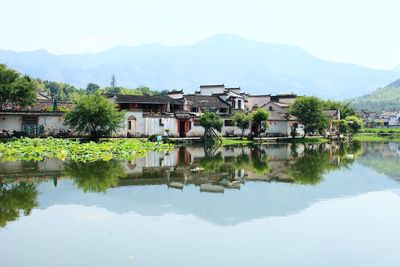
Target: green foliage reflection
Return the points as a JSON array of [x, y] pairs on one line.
[[16, 199], [95, 176]]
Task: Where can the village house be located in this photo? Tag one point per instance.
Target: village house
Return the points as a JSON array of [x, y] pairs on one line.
[[45, 117], [175, 114], [390, 118]]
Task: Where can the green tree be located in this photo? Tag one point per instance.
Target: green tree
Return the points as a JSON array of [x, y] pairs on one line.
[[309, 111], [94, 115], [16, 89], [92, 88], [210, 120], [242, 121], [342, 126], [355, 124], [259, 120]]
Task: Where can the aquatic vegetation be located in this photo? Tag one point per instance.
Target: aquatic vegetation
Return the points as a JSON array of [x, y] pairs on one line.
[[74, 150]]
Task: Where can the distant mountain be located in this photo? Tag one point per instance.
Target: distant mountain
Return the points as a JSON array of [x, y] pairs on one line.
[[257, 67], [386, 98]]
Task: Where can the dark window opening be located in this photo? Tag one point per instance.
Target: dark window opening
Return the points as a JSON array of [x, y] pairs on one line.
[[229, 123]]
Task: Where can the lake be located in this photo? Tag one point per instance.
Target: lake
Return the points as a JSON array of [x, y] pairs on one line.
[[273, 205]]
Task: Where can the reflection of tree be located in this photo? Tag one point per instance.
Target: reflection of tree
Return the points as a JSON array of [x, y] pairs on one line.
[[96, 176], [382, 158], [257, 161], [212, 163], [320, 159], [16, 199]]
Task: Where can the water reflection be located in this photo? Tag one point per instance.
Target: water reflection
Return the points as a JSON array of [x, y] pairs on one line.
[[194, 168], [95, 176], [16, 199]]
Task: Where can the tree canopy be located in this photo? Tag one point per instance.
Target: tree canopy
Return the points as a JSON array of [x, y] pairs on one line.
[[259, 119], [16, 89], [355, 124], [94, 115], [211, 120], [92, 88], [242, 121], [309, 111]]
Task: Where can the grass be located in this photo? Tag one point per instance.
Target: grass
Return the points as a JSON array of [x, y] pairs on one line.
[[228, 142], [39, 149], [305, 140], [374, 138], [380, 130]]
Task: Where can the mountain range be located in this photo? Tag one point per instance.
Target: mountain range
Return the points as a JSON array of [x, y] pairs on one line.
[[257, 67]]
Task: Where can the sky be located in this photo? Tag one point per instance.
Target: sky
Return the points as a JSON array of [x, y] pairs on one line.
[[365, 32]]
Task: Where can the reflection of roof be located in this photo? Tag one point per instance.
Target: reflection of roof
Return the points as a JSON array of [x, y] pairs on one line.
[[147, 99], [205, 101]]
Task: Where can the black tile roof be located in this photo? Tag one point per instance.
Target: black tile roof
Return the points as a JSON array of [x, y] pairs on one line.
[[147, 99], [212, 85], [212, 102]]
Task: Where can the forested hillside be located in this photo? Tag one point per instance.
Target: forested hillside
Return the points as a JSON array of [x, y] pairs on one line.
[[386, 98]]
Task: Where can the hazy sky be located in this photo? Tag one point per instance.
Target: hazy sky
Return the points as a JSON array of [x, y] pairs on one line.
[[365, 32]]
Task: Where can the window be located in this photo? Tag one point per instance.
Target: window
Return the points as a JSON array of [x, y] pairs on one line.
[[194, 109], [239, 104], [161, 123], [229, 123], [222, 110], [196, 122], [271, 108], [129, 125]]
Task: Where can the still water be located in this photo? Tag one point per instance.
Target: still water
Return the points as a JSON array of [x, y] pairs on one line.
[[277, 205]]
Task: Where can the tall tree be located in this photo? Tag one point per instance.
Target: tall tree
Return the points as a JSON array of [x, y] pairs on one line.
[[242, 121], [16, 89], [355, 124], [259, 120], [210, 120], [309, 111], [94, 115], [92, 88]]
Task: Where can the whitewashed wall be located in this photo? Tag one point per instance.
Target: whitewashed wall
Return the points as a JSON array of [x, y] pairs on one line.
[[152, 126], [52, 122], [11, 122]]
